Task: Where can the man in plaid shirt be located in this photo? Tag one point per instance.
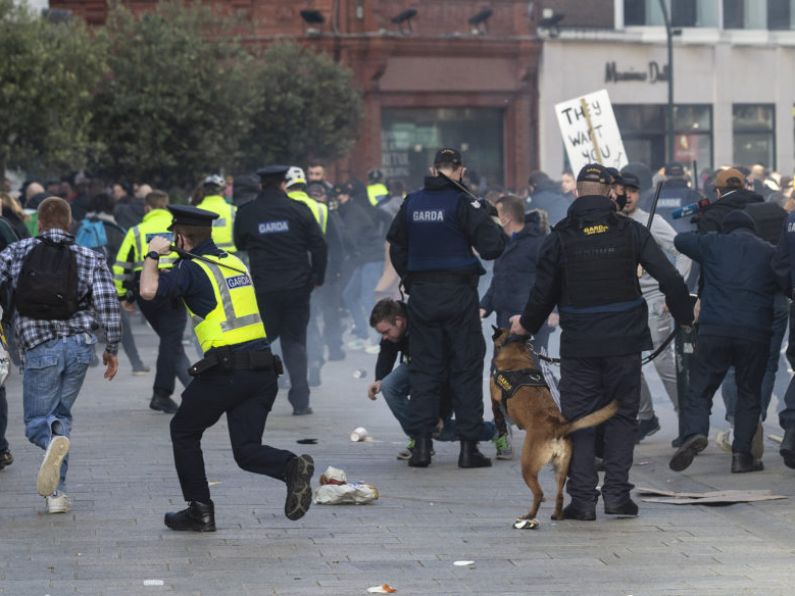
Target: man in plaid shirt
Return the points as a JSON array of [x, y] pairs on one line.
[[56, 353]]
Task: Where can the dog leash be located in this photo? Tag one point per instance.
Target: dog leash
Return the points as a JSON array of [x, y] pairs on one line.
[[660, 349]]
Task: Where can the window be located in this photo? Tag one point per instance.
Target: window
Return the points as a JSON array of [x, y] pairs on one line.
[[754, 136], [643, 129], [410, 138], [758, 14], [683, 13]]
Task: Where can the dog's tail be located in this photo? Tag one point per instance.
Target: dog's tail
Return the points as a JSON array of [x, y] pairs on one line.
[[592, 419]]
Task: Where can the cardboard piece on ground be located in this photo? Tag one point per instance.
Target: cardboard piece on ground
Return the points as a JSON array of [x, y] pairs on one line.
[[707, 498]]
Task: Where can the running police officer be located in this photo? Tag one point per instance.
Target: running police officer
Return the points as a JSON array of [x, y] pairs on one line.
[[215, 202], [588, 267], [237, 375], [288, 259], [166, 316], [431, 242]]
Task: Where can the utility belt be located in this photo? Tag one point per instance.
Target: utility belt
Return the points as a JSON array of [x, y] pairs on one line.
[[224, 359], [460, 277], [510, 381]]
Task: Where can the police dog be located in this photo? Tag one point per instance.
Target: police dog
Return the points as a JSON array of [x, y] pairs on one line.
[[526, 399]]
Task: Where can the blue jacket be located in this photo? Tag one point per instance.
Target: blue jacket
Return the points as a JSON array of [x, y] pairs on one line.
[[514, 272], [739, 283]]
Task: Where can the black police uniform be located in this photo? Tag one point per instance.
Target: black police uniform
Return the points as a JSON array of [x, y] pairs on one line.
[[245, 390], [588, 268], [287, 253], [431, 241]]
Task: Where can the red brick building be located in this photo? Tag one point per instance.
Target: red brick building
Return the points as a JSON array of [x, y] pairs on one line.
[[433, 80]]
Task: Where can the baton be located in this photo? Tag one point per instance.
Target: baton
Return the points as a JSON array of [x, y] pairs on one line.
[[695, 175], [654, 204], [458, 185], [186, 254]]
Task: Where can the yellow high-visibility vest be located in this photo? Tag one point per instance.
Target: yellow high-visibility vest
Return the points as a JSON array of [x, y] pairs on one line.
[[223, 226], [377, 193], [235, 318], [130, 258], [319, 210]]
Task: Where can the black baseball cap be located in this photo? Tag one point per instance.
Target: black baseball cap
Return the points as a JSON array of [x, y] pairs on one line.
[[630, 180], [615, 175], [594, 172], [674, 169], [187, 215], [447, 156]]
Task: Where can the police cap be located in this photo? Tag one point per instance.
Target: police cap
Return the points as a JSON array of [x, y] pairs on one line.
[[594, 172], [447, 157], [273, 171], [187, 215], [630, 180], [674, 170]]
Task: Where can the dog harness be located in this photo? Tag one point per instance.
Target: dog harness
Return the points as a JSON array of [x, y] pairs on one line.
[[509, 381]]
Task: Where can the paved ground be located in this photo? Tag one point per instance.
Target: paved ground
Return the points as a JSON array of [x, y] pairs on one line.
[[122, 480]]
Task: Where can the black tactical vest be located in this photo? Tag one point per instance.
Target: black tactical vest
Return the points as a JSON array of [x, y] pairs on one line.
[[599, 262]]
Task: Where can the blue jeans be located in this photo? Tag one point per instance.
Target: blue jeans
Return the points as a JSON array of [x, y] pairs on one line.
[[729, 386], [395, 388], [359, 295], [52, 376]]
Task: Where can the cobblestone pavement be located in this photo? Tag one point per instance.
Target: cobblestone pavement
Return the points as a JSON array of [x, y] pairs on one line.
[[122, 481]]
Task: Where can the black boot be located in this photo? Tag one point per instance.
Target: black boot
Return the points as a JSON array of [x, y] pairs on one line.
[[198, 517], [787, 450], [745, 462], [471, 457], [163, 403], [421, 454]]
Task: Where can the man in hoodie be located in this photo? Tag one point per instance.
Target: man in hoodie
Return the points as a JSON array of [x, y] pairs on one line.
[[546, 194], [734, 330]]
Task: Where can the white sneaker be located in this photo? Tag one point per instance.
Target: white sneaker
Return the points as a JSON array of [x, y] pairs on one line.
[[50, 470], [724, 440], [373, 349], [356, 344], [58, 502]]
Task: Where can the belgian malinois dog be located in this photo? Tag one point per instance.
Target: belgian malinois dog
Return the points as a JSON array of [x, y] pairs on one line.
[[518, 388]]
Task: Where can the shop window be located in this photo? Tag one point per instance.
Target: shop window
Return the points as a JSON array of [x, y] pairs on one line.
[[410, 138], [754, 134], [643, 130]]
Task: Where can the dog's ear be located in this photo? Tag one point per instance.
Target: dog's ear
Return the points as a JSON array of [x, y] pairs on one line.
[[497, 333]]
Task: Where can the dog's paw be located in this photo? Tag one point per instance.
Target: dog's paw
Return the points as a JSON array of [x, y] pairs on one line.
[[557, 516], [526, 524]]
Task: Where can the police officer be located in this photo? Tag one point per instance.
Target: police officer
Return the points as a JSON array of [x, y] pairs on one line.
[[377, 192], [675, 193], [237, 375], [295, 183], [431, 241], [213, 201], [167, 317], [588, 267], [288, 259]]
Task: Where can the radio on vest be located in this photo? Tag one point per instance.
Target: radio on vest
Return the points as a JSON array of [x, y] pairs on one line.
[[690, 209]]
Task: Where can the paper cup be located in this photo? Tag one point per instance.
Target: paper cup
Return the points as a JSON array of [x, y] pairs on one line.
[[359, 434]]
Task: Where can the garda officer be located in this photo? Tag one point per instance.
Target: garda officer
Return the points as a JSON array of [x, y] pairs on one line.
[[213, 201], [167, 317], [237, 375], [295, 182], [377, 191], [588, 267], [431, 241], [288, 259]]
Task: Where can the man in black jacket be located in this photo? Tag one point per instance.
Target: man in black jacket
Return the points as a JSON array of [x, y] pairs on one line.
[[288, 260], [734, 330], [431, 245], [588, 268], [731, 195]]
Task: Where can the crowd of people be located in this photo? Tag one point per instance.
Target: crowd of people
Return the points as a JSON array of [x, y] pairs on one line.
[[610, 257]]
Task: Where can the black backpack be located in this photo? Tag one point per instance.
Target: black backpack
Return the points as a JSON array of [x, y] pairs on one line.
[[47, 285]]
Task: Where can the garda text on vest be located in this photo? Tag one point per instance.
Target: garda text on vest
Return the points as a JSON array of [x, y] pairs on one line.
[[274, 227], [429, 215]]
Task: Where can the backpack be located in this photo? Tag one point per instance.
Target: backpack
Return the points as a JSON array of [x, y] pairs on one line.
[[47, 285], [91, 234]]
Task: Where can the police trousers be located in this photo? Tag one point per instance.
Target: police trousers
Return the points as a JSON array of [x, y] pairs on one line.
[[168, 318], [587, 384], [286, 315], [712, 359], [446, 343], [246, 397]]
